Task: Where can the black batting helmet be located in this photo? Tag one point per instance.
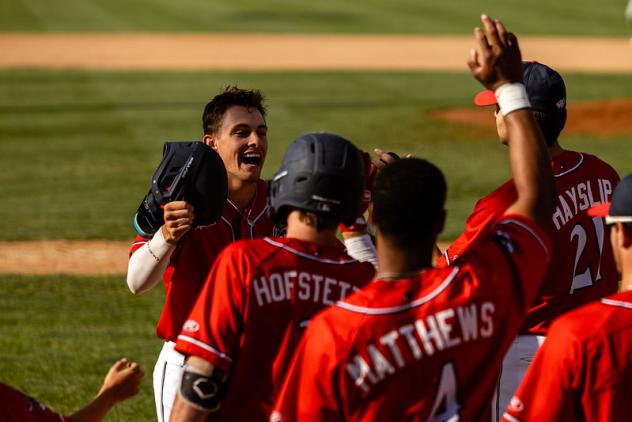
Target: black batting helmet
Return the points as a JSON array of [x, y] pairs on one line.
[[188, 171], [322, 173]]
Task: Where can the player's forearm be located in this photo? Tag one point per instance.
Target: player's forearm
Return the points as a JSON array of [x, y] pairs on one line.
[[148, 263], [184, 412], [530, 167], [95, 411]]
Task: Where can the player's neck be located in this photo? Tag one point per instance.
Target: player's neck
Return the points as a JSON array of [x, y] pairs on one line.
[[241, 193], [299, 229], [626, 277], [394, 262], [555, 150]]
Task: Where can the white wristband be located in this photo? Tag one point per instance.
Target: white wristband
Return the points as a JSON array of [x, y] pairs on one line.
[[512, 97]]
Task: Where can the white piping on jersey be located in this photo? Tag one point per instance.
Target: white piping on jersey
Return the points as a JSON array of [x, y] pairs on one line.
[[308, 256], [527, 228], [204, 346], [581, 160], [619, 303], [230, 226], [393, 309], [510, 418], [447, 256], [234, 206], [260, 214], [252, 223]]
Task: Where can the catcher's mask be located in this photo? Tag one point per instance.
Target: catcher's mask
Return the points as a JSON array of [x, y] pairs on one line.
[[191, 172], [322, 173]]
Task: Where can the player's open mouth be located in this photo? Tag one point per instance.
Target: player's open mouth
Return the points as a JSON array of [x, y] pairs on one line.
[[251, 159]]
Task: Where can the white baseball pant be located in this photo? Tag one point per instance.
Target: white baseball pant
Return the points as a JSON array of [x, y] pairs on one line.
[[167, 376], [513, 369]]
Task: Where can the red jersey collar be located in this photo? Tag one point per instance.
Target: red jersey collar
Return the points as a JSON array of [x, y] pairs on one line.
[[566, 162]]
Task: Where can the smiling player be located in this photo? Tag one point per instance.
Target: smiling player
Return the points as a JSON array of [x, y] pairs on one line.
[[234, 126]]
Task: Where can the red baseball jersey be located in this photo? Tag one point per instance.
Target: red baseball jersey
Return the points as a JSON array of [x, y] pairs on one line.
[[583, 268], [16, 406], [193, 258], [423, 348], [583, 371], [259, 297]]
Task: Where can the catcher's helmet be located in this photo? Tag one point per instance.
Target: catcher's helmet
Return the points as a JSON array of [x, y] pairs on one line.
[[322, 173], [191, 172]]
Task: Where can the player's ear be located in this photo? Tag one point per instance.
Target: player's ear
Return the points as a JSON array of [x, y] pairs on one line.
[[210, 140]]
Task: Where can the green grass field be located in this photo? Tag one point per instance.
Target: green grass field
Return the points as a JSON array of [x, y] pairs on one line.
[[78, 148], [60, 335], [576, 17]]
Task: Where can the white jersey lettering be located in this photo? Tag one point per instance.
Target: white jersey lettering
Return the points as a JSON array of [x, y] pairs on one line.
[[443, 330]]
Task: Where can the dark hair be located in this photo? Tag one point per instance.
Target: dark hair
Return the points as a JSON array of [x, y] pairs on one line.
[[231, 96], [551, 124], [408, 200]]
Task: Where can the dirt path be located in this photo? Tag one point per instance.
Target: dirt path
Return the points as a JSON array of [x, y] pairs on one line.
[[293, 52], [64, 257]]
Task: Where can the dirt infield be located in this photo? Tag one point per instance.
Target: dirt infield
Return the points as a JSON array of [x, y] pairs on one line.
[[588, 118], [293, 52], [283, 52]]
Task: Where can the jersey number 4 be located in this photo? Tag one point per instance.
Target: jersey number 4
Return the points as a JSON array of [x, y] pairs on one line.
[[445, 407], [584, 278]]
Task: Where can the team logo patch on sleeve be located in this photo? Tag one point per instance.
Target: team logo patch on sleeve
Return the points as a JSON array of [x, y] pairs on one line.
[[191, 326], [506, 242]]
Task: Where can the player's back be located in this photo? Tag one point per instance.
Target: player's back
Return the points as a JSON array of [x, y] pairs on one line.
[[426, 347], [584, 369], [261, 296], [582, 269]]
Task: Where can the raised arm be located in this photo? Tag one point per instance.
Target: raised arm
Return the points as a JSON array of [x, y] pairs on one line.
[[497, 64]]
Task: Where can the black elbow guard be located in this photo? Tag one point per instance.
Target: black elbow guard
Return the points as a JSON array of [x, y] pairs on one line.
[[204, 392]]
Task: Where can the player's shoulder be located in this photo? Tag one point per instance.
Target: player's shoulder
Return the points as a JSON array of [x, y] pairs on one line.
[[500, 198], [595, 319], [335, 324], [515, 234], [584, 164]]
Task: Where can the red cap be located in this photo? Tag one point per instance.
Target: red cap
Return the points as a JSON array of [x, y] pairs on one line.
[[601, 210], [485, 98]]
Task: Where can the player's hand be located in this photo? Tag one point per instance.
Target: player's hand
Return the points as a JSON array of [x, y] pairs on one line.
[[371, 169], [178, 216], [359, 225], [497, 59], [384, 158], [122, 381]]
